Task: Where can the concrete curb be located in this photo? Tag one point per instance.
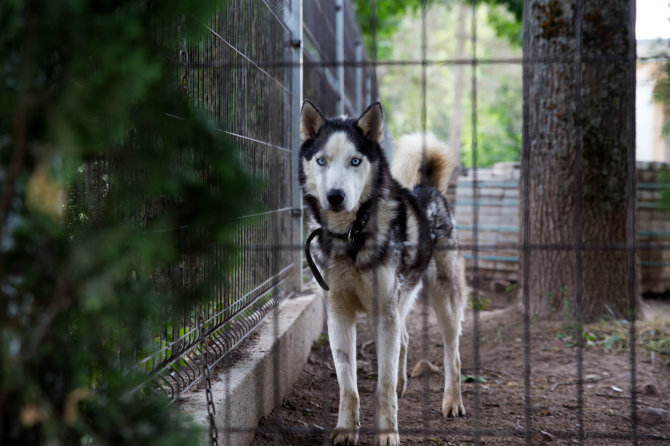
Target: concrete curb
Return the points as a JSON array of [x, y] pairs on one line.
[[252, 387]]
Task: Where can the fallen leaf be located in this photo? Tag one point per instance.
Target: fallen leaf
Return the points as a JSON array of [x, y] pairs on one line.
[[652, 416], [424, 367], [546, 435]]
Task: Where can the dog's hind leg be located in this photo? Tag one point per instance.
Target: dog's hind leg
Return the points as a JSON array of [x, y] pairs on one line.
[[446, 289], [342, 338], [405, 307]]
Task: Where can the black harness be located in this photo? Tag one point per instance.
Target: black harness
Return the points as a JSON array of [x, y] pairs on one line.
[[355, 237]]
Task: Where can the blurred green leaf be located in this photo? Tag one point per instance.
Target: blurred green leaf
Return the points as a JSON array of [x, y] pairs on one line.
[[106, 174]]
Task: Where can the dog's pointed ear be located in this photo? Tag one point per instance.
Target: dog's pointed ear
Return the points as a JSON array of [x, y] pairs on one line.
[[311, 121], [371, 122]]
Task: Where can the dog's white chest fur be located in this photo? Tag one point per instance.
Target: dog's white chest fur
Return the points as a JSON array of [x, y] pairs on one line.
[[355, 289]]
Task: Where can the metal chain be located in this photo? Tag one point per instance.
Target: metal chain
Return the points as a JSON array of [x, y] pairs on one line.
[[183, 54], [211, 410]]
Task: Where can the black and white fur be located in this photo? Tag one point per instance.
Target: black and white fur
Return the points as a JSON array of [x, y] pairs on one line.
[[376, 248]]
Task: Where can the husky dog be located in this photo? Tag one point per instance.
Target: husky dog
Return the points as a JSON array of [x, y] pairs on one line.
[[376, 241]]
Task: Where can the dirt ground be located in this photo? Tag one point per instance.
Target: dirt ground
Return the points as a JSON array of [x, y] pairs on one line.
[[309, 412]]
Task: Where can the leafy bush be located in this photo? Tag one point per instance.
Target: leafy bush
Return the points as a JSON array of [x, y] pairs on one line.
[[383, 21], [106, 175]]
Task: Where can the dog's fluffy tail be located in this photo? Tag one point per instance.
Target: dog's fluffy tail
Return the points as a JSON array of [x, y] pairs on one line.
[[413, 151]]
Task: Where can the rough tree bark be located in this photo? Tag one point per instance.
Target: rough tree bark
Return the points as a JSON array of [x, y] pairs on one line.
[[560, 123]]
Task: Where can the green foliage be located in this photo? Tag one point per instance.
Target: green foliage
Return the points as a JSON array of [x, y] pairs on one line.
[[102, 187], [386, 18], [613, 335], [499, 91], [661, 95], [507, 22], [664, 177], [499, 112], [383, 22], [499, 120], [478, 303], [515, 7]]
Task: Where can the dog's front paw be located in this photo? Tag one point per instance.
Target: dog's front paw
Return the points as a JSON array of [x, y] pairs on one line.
[[452, 406], [343, 435], [388, 439]]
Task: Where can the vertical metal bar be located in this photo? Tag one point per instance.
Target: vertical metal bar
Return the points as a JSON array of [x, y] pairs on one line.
[[294, 21], [424, 67], [358, 54], [227, 92], [375, 283], [475, 234], [525, 238], [631, 223], [579, 313], [372, 73], [425, 339], [276, 234], [339, 54]]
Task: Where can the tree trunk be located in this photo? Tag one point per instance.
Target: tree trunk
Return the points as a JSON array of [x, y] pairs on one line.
[[562, 120]]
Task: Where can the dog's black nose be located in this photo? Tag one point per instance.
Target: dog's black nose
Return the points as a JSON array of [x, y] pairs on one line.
[[335, 197]]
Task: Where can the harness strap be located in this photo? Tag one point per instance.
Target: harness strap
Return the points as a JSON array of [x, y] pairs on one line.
[[312, 266], [355, 238]]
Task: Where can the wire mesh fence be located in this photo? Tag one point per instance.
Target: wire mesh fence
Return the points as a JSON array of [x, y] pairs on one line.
[[242, 75], [236, 74]]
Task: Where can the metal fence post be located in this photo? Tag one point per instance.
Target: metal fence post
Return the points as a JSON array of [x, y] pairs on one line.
[[295, 23], [368, 90], [339, 53], [359, 77]]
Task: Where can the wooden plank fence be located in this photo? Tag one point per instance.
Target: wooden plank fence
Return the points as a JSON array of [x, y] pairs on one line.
[[497, 191]]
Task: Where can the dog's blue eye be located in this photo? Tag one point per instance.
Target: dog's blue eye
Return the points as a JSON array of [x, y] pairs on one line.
[[355, 161], [321, 161]]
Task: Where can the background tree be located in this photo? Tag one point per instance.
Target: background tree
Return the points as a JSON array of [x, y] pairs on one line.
[[386, 16], [382, 22], [662, 93], [95, 175], [499, 86], [561, 118]]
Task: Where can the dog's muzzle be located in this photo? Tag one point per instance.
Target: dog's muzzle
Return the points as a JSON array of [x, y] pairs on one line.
[[335, 199]]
